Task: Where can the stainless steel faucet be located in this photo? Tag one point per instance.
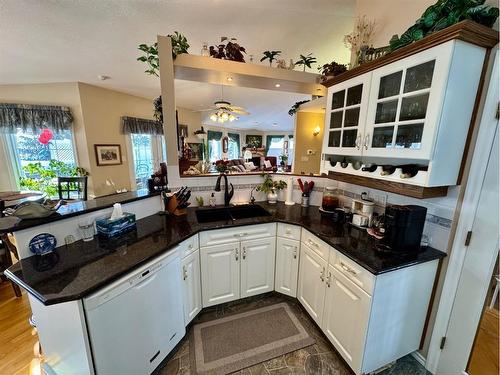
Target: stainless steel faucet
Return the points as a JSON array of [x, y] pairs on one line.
[[228, 194]]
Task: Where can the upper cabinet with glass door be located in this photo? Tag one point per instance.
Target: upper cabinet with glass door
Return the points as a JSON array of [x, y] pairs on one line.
[[405, 105], [346, 115]]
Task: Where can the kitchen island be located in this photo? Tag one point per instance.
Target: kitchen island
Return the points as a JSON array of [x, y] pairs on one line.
[[62, 283]]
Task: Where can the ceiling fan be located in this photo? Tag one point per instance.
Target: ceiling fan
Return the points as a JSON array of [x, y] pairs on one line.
[[225, 111]]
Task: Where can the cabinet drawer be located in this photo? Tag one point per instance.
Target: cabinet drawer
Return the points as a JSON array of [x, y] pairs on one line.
[[354, 272], [188, 246], [289, 231], [318, 246], [228, 235]]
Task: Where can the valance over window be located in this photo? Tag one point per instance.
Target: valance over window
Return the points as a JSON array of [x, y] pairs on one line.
[[34, 117], [135, 125]]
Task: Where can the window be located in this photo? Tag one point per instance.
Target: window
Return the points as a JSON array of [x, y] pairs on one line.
[[290, 149], [234, 146], [147, 150], [214, 145], [26, 148], [274, 145]]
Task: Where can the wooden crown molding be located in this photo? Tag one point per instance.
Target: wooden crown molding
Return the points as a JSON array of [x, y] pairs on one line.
[[467, 31]]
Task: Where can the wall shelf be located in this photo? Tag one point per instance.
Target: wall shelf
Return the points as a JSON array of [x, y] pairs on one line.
[[408, 190], [216, 71]]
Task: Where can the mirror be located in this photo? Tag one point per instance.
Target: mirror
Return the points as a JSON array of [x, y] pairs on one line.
[[245, 130]]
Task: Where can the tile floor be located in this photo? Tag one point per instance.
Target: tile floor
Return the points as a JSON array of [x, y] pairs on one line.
[[320, 358]]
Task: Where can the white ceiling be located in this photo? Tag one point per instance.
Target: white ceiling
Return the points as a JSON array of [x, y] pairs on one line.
[[45, 41], [268, 109]]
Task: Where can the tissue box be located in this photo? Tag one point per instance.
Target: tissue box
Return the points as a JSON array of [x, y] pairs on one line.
[[111, 228]]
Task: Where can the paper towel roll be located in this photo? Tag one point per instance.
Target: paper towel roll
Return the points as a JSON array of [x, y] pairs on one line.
[[289, 192]]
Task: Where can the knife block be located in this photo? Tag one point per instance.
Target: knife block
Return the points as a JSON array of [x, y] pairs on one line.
[[171, 207]]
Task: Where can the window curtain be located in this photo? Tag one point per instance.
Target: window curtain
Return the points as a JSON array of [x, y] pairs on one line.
[[213, 136], [34, 117], [235, 138], [272, 138], [135, 125]]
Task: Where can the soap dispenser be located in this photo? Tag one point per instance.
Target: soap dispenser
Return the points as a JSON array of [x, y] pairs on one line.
[[212, 201]]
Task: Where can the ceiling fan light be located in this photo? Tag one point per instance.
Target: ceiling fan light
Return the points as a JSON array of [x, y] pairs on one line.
[[213, 117], [225, 116], [232, 118], [221, 120]]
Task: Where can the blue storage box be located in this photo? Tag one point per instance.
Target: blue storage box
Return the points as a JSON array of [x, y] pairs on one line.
[[111, 228]]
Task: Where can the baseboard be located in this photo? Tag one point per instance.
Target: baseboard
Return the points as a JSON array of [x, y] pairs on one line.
[[419, 357]]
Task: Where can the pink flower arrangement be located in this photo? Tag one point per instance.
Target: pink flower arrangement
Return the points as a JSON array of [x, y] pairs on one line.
[[45, 136]]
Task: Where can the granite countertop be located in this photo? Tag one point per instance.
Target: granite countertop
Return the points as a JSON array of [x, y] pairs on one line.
[[74, 209], [74, 271]]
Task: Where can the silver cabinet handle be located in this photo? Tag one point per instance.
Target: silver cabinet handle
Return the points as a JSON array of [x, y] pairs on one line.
[[244, 253], [329, 280], [367, 141], [295, 253], [346, 268], [322, 275], [184, 273], [236, 254]]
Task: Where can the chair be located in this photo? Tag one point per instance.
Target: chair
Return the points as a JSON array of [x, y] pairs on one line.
[[68, 185], [6, 262]]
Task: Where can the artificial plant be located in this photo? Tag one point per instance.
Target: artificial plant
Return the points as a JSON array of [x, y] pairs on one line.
[[269, 185], [296, 106], [306, 61], [443, 14], [150, 56], [228, 50], [271, 56], [332, 69]]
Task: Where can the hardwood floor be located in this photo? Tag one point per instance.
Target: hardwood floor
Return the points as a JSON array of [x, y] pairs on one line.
[[484, 358], [16, 338]]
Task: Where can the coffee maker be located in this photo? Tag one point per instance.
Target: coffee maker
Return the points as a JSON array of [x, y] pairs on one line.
[[404, 226]]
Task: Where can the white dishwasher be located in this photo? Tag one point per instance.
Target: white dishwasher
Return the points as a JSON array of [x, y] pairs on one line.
[[136, 321]]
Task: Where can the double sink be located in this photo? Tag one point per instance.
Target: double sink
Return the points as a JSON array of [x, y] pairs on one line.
[[247, 211]]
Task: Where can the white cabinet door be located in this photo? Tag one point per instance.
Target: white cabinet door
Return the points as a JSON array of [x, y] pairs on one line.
[[347, 311], [345, 116], [287, 266], [257, 266], [220, 273], [191, 286], [311, 288], [406, 98]]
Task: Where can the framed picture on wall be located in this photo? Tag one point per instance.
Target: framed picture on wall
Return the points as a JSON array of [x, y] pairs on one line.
[[254, 141], [196, 153], [109, 154]]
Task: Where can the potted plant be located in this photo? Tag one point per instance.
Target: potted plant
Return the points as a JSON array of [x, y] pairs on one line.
[[306, 61], [331, 70], [228, 50], [270, 187], [221, 166], [270, 55], [283, 160]]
